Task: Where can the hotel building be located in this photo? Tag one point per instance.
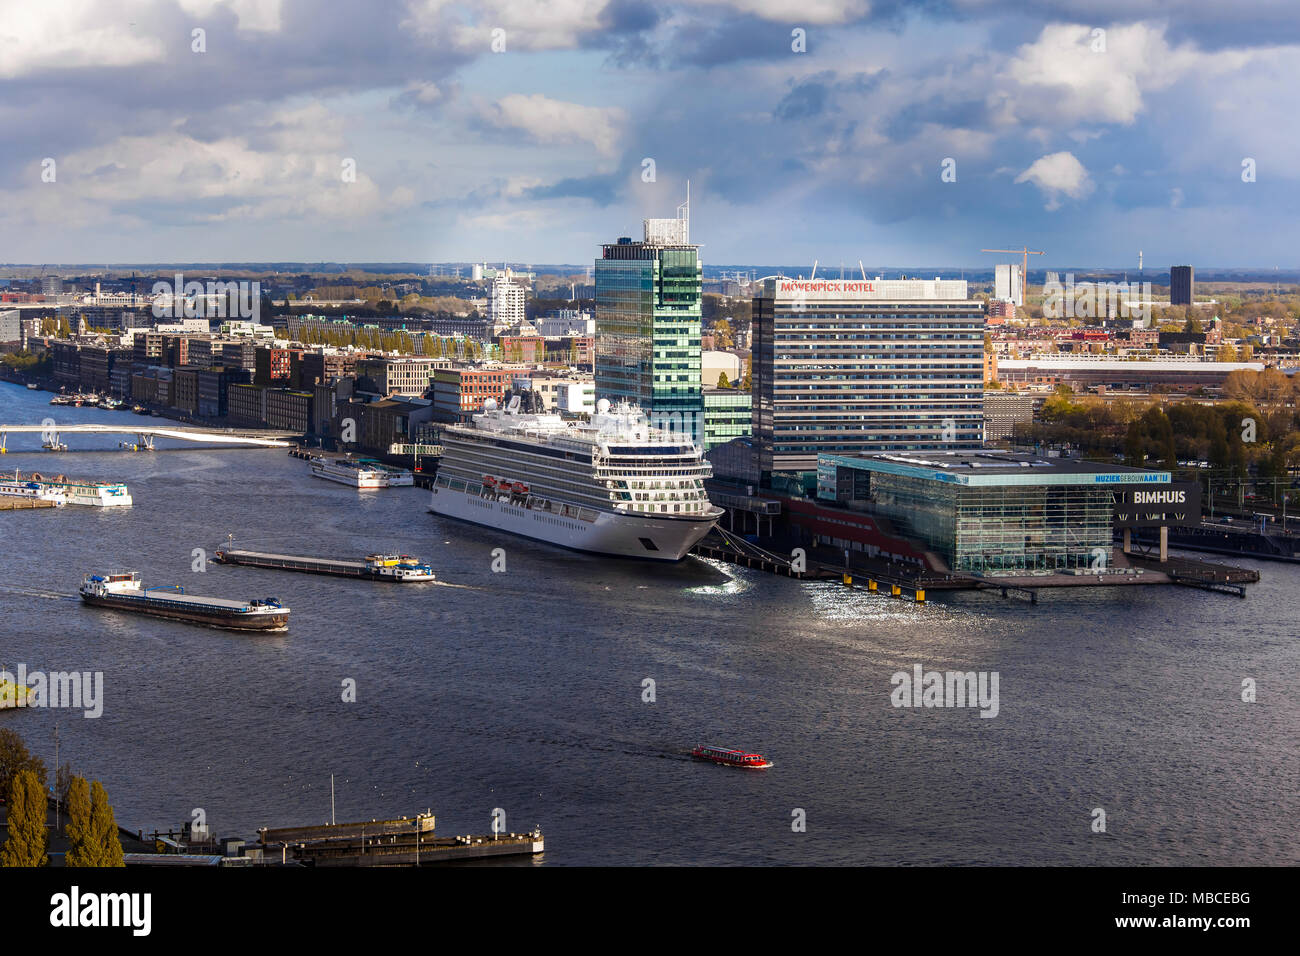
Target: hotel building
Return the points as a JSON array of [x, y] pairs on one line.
[[863, 367]]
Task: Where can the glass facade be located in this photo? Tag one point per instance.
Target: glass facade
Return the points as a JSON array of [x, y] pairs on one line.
[[1000, 527], [648, 300], [727, 415]]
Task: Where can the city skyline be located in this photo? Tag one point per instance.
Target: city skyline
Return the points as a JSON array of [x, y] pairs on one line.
[[234, 144]]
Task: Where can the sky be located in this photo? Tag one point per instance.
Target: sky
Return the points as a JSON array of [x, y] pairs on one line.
[[512, 131]]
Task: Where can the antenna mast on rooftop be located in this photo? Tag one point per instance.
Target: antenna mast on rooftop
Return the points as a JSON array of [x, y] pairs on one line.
[[684, 213]]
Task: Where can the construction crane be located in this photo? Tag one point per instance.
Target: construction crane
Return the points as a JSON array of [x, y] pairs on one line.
[[1025, 253]]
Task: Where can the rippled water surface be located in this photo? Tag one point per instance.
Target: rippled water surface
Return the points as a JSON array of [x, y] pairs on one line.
[[523, 690]]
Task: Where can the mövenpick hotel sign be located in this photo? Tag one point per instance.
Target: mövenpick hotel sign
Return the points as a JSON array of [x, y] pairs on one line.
[[810, 290]]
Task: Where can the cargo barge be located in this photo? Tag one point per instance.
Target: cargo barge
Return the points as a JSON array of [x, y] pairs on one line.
[[401, 568], [126, 592]]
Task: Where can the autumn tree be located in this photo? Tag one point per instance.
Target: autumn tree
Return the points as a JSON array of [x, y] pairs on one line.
[[14, 758], [78, 832], [28, 838]]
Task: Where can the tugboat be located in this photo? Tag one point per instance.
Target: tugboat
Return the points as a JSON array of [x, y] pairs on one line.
[[731, 758]]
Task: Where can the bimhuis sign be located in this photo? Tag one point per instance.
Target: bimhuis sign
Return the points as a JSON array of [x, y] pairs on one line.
[[1150, 506]]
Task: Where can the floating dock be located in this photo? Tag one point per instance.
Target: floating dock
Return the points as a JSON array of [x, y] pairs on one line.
[[377, 567]]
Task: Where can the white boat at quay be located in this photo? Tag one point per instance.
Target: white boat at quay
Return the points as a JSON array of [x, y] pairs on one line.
[[395, 477], [17, 488], [347, 471], [96, 494]]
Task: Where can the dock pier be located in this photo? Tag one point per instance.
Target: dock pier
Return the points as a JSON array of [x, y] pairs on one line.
[[25, 504]]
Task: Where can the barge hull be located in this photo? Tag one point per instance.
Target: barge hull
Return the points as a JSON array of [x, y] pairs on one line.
[[265, 622]]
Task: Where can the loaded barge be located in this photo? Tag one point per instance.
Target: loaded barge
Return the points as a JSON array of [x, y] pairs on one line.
[[126, 592], [378, 567]]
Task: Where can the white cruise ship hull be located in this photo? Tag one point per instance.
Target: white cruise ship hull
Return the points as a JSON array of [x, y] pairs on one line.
[[627, 536]]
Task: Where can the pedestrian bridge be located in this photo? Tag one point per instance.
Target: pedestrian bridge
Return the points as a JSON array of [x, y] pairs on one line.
[[145, 434]]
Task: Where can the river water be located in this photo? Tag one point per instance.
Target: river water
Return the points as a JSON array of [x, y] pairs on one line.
[[524, 690]]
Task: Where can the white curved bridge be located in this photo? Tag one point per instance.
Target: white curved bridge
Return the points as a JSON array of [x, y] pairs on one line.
[[145, 434]]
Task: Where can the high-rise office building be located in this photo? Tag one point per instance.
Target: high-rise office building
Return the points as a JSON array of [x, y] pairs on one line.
[[860, 367], [648, 297], [1008, 285], [1182, 285]]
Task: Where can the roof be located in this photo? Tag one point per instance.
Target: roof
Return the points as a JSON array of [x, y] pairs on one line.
[[996, 468], [1115, 365]]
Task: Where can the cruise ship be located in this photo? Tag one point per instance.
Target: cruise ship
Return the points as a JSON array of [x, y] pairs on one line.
[[613, 485]]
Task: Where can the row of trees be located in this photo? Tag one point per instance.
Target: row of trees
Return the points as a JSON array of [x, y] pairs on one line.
[[91, 828], [1234, 436]]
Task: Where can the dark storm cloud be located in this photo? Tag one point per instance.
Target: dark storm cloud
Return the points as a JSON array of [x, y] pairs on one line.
[[813, 95], [907, 122]]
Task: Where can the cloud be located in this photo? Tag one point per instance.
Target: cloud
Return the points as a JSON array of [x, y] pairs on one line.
[[1056, 175], [815, 12], [70, 34], [555, 121]]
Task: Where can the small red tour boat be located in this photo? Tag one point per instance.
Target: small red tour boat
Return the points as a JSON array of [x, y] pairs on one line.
[[732, 758]]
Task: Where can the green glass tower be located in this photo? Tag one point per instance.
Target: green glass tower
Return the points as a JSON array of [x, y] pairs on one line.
[[648, 325]]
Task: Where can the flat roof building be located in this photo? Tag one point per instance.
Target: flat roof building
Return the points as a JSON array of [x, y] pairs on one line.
[[991, 512], [865, 366]]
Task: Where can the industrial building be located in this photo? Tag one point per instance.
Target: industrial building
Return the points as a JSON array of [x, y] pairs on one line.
[[1115, 374]]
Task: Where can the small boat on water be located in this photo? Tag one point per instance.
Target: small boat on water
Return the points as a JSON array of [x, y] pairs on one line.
[[33, 386], [124, 591], [731, 758]]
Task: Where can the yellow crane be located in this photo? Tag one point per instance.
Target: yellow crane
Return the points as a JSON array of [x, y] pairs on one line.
[[1025, 253]]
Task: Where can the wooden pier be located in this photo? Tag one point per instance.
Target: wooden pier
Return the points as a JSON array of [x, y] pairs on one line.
[[25, 504]]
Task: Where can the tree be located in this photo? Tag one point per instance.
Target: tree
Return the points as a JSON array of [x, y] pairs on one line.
[[722, 380], [1193, 324], [748, 382], [28, 838], [103, 840], [78, 832], [14, 759]]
